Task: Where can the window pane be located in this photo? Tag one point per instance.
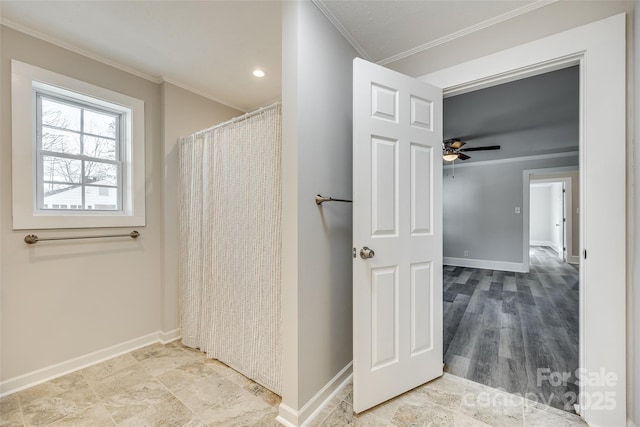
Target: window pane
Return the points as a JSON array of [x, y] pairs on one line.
[[101, 198], [100, 173], [61, 169], [61, 196], [60, 141], [100, 148], [60, 115], [99, 124]]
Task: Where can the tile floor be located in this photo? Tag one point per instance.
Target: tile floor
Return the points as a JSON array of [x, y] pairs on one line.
[[172, 385]]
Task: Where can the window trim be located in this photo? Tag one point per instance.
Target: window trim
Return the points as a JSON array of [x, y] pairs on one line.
[[25, 81]]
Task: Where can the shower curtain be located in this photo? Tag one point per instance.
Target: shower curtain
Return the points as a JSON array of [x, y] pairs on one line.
[[230, 244]]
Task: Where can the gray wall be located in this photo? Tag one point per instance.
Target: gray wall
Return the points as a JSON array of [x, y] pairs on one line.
[[317, 159], [479, 208]]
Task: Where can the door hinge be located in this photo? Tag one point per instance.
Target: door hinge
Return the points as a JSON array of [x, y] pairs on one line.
[[585, 254], [564, 219], [354, 252], [564, 191]]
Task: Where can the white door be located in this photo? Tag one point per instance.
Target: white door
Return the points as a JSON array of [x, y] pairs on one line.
[[397, 214]]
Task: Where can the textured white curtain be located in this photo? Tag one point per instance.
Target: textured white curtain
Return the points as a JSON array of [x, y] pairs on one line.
[[230, 244]]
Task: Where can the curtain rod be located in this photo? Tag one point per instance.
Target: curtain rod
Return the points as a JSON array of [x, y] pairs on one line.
[[239, 118]]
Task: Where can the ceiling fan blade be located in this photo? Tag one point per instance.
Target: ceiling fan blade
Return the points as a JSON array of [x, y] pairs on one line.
[[462, 156], [488, 147]]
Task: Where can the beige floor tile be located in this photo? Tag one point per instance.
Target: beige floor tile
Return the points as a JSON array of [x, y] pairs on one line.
[[443, 391], [186, 375], [207, 393], [152, 351], [242, 409], [12, 418], [9, 403], [109, 367], [168, 413], [262, 418], [492, 407], [263, 393], [52, 388], [170, 358], [95, 416], [49, 409], [343, 415], [121, 380], [429, 414], [536, 414], [135, 400]]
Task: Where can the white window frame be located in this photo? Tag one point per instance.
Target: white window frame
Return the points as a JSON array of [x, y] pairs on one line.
[[25, 81]]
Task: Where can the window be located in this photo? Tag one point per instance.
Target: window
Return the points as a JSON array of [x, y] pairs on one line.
[[78, 153]]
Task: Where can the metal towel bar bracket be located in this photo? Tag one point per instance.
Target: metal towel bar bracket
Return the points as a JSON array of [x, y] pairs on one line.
[[321, 199], [33, 239]]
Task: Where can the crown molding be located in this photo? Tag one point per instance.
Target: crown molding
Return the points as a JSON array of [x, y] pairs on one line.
[[78, 50], [203, 93], [466, 31], [341, 29], [75, 49]]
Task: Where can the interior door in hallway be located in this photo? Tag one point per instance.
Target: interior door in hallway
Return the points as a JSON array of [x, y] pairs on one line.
[[397, 223]]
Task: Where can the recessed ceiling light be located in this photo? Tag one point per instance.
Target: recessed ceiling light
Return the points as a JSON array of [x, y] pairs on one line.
[[258, 73]]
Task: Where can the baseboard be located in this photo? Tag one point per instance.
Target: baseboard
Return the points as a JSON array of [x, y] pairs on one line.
[[516, 267], [541, 243], [300, 418], [31, 379], [574, 259], [167, 337]]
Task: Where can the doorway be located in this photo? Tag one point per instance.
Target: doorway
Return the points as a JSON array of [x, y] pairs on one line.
[[504, 318], [602, 336]]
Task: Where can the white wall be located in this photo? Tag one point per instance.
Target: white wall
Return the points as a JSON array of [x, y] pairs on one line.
[[540, 215], [63, 300], [317, 159], [183, 114]]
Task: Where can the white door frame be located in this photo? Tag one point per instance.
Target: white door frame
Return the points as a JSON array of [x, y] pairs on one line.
[[526, 210], [600, 50]]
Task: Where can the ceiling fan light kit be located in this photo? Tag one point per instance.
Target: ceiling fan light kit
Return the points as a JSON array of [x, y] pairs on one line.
[[452, 149], [450, 156]]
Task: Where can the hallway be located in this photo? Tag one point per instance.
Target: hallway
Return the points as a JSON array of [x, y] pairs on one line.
[[513, 330]]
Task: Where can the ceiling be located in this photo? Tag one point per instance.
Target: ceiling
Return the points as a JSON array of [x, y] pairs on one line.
[[211, 47], [533, 116]]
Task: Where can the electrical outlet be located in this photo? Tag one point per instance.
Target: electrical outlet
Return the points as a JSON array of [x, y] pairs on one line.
[[517, 209], [466, 253]]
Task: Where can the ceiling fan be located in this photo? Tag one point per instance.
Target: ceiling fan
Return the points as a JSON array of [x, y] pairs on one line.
[[452, 149]]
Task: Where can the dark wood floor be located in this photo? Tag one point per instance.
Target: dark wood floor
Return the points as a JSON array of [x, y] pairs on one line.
[[500, 328]]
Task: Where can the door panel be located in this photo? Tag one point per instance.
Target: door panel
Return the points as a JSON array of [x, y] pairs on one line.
[[398, 214]]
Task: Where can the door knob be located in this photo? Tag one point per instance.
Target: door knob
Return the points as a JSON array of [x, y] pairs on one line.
[[366, 253]]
